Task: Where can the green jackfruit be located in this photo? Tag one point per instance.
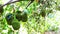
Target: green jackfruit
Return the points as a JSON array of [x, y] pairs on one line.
[[1, 9], [24, 17], [9, 18], [18, 15], [15, 25]]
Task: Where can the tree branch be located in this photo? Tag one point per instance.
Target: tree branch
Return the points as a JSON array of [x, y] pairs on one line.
[[9, 3]]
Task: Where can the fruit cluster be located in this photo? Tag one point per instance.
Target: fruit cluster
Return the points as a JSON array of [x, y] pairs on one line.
[[20, 16]]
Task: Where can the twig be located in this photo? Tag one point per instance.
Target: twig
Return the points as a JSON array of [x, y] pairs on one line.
[[29, 4]]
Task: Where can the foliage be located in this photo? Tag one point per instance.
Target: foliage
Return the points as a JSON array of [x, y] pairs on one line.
[[40, 16]]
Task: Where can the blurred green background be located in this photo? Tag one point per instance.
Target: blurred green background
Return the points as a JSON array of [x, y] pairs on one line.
[[41, 15]]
